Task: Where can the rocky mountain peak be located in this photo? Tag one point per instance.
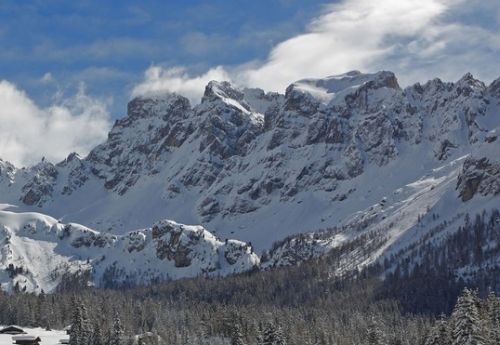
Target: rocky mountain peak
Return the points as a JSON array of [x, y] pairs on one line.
[[162, 105], [337, 86], [494, 89], [468, 84], [346, 94], [216, 90], [7, 171], [73, 158]]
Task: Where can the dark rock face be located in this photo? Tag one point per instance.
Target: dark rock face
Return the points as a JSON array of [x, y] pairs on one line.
[[79, 173], [233, 252], [299, 103], [479, 176], [7, 171], [171, 246], [90, 240], [153, 126], [136, 241], [494, 89], [40, 186], [187, 245], [376, 134], [444, 149], [169, 109], [227, 127]]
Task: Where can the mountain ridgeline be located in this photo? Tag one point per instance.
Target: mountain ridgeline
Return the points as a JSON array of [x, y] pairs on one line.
[[352, 165]]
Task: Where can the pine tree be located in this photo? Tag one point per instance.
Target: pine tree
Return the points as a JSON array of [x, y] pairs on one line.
[[260, 334], [273, 335], [85, 325], [375, 336], [467, 328], [75, 331], [96, 338], [491, 318], [439, 334], [495, 319], [279, 336], [268, 335], [236, 336], [117, 332], [80, 331]]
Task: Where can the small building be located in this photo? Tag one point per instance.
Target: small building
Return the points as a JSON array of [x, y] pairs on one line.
[[26, 340], [12, 330], [67, 329]]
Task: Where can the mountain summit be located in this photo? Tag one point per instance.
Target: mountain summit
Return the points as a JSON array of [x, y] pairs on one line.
[[353, 153]]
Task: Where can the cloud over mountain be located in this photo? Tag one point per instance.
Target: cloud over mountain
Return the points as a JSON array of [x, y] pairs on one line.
[[416, 39], [29, 132]]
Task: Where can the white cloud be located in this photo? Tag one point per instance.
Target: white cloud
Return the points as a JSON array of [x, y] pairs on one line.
[[351, 35], [28, 132], [158, 79], [417, 39], [47, 78]]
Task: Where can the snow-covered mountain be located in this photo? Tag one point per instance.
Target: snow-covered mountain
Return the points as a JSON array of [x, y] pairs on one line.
[[353, 154], [38, 253]]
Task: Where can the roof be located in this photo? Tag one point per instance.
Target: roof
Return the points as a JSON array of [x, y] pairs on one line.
[[25, 338], [11, 329]]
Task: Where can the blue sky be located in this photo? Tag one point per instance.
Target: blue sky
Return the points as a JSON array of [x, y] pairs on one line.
[[109, 44], [68, 68]]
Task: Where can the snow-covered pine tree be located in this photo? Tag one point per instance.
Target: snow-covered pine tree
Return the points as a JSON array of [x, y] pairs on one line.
[[116, 332], [80, 330], [273, 335], [85, 326], [375, 336], [76, 324], [268, 334], [279, 336], [496, 321], [236, 336], [96, 337], [439, 334], [491, 318], [466, 322], [260, 334]]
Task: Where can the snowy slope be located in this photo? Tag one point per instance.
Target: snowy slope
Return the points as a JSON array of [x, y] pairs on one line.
[[354, 154], [38, 251], [426, 211]]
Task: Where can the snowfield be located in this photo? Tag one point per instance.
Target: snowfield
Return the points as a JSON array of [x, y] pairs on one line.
[[47, 337]]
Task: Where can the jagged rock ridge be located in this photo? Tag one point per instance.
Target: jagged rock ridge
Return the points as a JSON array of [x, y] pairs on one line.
[[262, 166], [39, 253]]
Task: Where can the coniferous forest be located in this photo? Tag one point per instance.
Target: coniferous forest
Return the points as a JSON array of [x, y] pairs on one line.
[[303, 304]]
